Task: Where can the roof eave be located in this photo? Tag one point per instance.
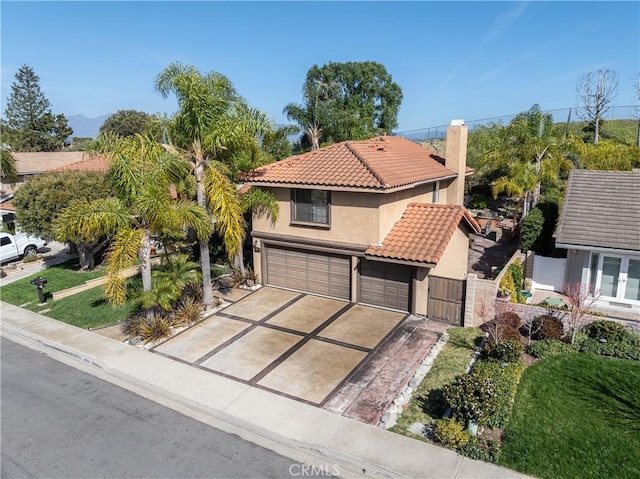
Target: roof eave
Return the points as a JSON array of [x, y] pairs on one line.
[[598, 249], [386, 259]]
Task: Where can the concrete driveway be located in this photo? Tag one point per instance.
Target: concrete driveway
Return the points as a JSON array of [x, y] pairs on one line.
[[326, 352]]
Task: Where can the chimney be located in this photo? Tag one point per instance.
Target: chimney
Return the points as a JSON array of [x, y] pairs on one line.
[[456, 160]]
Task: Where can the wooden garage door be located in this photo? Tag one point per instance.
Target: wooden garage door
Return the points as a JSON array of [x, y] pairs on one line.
[[385, 284], [313, 272]]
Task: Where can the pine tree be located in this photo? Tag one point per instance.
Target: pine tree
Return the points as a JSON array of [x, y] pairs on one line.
[[29, 124]]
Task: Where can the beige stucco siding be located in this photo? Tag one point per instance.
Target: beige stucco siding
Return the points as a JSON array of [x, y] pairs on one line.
[[453, 263], [392, 205], [354, 219]]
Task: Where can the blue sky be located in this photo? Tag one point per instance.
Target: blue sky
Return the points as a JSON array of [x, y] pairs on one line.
[[468, 60]]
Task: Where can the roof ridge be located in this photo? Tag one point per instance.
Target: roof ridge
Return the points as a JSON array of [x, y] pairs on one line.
[[366, 164]]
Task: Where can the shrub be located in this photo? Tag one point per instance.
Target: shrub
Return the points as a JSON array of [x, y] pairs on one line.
[[486, 394], [481, 449], [510, 319], [502, 328], [507, 351], [547, 327], [505, 379], [607, 330], [469, 397], [549, 347], [451, 433], [627, 348], [150, 328], [188, 311], [30, 258]]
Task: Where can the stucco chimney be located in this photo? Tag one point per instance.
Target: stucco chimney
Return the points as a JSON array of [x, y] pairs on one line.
[[456, 160]]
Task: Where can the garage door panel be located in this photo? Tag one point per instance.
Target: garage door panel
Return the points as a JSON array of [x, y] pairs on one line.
[[309, 271], [385, 284]]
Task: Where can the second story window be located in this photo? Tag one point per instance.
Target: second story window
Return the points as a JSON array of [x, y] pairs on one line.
[[310, 206]]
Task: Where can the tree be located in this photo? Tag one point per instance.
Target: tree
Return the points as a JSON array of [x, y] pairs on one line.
[[8, 170], [526, 159], [126, 123], [142, 172], [212, 124], [29, 123], [531, 229], [596, 91], [42, 199], [580, 300], [347, 101]]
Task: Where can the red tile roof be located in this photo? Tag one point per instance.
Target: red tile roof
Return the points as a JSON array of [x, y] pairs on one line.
[[379, 163], [97, 163], [423, 232], [7, 206]]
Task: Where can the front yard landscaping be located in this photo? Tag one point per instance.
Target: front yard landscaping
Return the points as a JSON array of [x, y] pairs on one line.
[[88, 309], [576, 416], [574, 413], [427, 403], [59, 277]]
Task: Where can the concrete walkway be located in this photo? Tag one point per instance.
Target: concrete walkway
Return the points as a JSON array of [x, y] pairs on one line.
[[300, 431]]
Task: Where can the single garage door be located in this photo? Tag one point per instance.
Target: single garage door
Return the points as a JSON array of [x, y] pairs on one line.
[[309, 271], [385, 284]]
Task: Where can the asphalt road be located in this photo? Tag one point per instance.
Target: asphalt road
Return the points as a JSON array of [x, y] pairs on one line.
[[58, 421]]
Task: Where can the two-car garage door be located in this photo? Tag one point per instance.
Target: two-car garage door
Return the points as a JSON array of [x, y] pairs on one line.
[[310, 271]]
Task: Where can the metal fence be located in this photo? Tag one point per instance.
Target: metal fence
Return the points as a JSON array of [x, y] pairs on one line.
[[560, 115]]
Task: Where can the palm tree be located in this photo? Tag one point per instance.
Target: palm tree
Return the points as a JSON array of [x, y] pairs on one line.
[[258, 202], [526, 158], [141, 171], [211, 124]]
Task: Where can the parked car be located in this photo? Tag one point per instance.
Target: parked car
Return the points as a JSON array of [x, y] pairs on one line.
[[19, 245]]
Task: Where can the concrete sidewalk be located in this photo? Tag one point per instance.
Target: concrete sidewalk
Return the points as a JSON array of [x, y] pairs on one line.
[[302, 432]]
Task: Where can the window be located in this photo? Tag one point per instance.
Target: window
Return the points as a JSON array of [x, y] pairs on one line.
[[310, 206], [5, 241]]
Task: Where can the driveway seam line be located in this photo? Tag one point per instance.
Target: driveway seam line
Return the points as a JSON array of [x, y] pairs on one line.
[[253, 325], [289, 352], [364, 361]]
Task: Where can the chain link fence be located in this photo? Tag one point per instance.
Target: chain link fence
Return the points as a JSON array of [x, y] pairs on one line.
[[561, 115]]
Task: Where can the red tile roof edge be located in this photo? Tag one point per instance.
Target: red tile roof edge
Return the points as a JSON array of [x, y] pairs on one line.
[[463, 213]]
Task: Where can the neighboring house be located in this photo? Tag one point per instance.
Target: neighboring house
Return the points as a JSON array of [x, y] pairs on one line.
[[600, 227], [31, 164], [372, 222]]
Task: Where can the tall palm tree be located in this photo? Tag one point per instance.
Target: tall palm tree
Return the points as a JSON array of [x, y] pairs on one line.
[[212, 123], [142, 172]]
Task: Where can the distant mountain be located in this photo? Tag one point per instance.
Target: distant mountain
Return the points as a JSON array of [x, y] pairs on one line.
[[84, 127]]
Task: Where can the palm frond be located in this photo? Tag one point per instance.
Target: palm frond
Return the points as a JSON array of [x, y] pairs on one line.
[[261, 203], [122, 253], [224, 203], [87, 221]]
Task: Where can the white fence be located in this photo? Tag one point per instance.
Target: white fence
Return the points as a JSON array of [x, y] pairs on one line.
[[548, 273]]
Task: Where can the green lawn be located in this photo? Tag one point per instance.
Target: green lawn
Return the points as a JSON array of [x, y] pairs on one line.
[[426, 403], [576, 416], [88, 309], [59, 277]]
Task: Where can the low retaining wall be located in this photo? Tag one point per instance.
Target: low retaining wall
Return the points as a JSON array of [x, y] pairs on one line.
[[92, 283], [528, 312]]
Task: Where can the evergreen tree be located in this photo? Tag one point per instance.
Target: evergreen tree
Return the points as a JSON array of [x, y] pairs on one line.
[[29, 124]]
